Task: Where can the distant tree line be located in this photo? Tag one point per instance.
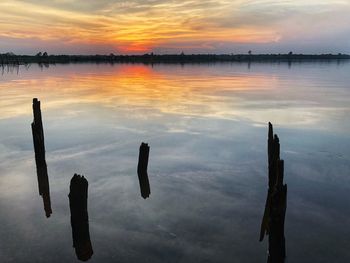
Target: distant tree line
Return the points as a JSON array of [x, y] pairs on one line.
[[45, 58]]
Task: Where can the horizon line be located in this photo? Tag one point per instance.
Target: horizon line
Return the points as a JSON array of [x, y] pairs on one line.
[[179, 54]]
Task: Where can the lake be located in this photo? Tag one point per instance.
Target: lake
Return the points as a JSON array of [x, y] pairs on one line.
[[206, 126]]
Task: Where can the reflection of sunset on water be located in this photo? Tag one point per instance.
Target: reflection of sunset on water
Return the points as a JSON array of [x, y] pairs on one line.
[[228, 92], [135, 85]]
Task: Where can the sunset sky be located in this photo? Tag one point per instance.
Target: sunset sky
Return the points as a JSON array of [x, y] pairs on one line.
[[165, 26]]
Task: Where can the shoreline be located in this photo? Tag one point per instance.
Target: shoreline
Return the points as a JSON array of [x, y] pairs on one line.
[[12, 59]]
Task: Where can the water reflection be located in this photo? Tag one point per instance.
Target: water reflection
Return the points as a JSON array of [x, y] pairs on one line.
[[233, 93], [206, 125], [39, 149]]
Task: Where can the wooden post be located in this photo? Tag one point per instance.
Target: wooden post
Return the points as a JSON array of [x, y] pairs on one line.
[[142, 170], [78, 196], [276, 203], [277, 249], [39, 149]]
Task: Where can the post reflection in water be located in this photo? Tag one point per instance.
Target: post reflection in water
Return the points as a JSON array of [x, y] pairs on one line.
[[39, 148], [78, 196]]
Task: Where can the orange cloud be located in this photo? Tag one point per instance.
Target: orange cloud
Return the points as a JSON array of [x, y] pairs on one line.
[[140, 26]]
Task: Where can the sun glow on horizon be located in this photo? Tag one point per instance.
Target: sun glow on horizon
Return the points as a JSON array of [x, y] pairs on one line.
[[141, 26]]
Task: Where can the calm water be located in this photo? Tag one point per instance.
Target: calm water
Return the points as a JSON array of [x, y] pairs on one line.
[[207, 129]]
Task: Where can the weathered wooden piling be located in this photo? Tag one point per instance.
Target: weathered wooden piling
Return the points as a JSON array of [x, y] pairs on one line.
[[78, 196], [39, 149], [276, 202], [142, 170]]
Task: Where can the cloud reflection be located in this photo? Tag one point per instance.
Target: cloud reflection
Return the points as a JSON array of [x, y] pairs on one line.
[[231, 94]]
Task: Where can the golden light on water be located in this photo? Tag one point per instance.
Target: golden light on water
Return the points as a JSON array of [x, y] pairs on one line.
[[130, 86], [162, 90]]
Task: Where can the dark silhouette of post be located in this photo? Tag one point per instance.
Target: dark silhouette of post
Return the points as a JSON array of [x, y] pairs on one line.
[[78, 196], [142, 170], [39, 149], [276, 202]]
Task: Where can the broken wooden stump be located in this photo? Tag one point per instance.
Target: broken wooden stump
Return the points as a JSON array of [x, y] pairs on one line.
[[142, 170], [39, 149], [277, 249], [276, 202], [78, 196]]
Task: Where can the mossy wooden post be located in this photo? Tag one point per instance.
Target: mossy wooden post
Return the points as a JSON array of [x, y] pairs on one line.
[[142, 170], [39, 149], [276, 202], [78, 196]]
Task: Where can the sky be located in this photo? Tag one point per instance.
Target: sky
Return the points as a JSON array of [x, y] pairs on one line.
[[173, 26]]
